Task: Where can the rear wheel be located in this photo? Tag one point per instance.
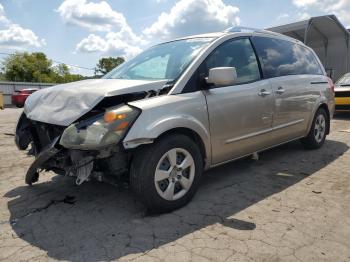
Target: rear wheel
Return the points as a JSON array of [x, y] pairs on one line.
[[317, 134], [166, 174]]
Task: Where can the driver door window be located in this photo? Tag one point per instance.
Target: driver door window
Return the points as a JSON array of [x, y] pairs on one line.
[[237, 53]]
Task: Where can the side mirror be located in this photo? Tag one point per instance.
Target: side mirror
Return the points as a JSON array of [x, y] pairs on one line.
[[222, 76]]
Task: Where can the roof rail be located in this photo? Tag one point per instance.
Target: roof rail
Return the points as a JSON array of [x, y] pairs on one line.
[[242, 29]]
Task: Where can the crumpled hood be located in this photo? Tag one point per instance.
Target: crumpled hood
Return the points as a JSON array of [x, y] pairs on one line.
[[64, 104]]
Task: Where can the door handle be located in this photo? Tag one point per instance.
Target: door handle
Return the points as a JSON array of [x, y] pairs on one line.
[[264, 93], [280, 91]]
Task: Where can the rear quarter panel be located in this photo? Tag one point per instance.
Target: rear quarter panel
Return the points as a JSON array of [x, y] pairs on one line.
[[319, 84]]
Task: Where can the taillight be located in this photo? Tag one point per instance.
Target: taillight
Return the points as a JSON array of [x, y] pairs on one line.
[[331, 84]]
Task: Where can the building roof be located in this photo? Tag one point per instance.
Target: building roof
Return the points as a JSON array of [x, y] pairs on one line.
[[316, 29]]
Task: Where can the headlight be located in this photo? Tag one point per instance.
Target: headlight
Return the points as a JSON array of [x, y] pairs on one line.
[[101, 131]]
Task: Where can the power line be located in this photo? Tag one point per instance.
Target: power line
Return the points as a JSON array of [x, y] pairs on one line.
[[58, 62], [81, 67]]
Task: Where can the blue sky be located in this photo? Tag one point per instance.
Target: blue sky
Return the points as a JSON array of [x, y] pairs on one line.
[[79, 32]]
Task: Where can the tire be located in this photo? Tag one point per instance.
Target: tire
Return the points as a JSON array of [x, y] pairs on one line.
[[318, 132], [159, 157]]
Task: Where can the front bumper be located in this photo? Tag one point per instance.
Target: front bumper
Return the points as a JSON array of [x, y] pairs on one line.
[[32, 175], [51, 156], [342, 100], [342, 103]]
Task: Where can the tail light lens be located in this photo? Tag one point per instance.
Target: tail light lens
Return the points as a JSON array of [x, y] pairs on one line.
[[331, 84]]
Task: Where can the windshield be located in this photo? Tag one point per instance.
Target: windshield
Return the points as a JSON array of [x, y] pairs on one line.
[[162, 62], [344, 80]]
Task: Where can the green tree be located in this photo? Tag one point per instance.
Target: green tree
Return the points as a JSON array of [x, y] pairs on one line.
[[63, 75], [36, 67], [106, 64], [62, 69], [27, 67]]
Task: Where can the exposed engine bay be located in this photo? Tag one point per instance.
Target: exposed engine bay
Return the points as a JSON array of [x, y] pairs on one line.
[[108, 162]]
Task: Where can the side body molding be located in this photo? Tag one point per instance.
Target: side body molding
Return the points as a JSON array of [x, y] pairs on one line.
[[165, 113]]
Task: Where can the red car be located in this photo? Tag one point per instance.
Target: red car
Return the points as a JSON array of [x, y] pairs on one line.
[[19, 97]]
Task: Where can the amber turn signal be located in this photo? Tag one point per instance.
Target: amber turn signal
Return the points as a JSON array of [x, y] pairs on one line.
[[122, 126], [112, 116]]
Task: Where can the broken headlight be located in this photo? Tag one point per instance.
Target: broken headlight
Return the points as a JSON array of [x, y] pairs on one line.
[[100, 131]]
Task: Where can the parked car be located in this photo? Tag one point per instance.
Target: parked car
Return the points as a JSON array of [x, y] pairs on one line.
[[177, 109], [19, 97], [342, 93]]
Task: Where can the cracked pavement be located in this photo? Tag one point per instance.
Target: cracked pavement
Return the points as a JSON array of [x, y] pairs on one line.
[[290, 205]]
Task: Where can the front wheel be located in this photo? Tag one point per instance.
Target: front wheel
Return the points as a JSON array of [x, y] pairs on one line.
[[317, 134], [166, 174]]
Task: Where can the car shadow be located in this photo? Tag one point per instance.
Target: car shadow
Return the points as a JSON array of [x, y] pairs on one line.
[[97, 221]]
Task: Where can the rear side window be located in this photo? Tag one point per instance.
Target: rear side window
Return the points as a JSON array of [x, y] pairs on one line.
[[281, 58], [236, 53]]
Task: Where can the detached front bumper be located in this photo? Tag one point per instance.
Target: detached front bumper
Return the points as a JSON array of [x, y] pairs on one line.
[[42, 140], [32, 175]]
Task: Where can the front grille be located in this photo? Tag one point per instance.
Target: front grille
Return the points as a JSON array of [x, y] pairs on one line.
[[342, 94]]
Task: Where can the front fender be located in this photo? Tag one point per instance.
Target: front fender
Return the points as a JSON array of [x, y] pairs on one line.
[[146, 135], [166, 113]]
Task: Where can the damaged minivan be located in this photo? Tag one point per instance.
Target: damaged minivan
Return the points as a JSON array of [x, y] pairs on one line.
[[177, 109]]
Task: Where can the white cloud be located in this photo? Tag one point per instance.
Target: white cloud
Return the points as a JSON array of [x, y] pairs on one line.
[[3, 18], [93, 16], [15, 36], [341, 8], [112, 44], [119, 39], [92, 43], [303, 3], [188, 17], [18, 37]]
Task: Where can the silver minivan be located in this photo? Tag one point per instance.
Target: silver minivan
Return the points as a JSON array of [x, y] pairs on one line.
[[177, 109]]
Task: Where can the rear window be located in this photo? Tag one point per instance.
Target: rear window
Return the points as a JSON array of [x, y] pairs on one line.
[[281, 58]]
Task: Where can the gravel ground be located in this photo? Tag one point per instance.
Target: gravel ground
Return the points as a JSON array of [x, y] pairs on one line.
[[290, 205]]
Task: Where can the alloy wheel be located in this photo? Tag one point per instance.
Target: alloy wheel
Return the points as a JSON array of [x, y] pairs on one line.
[[320, 128], [174, 174]]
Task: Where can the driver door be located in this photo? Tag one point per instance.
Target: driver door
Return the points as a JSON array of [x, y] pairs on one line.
[[240, 115]]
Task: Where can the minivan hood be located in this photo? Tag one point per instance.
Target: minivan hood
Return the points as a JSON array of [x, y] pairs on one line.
[[64, 104]]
